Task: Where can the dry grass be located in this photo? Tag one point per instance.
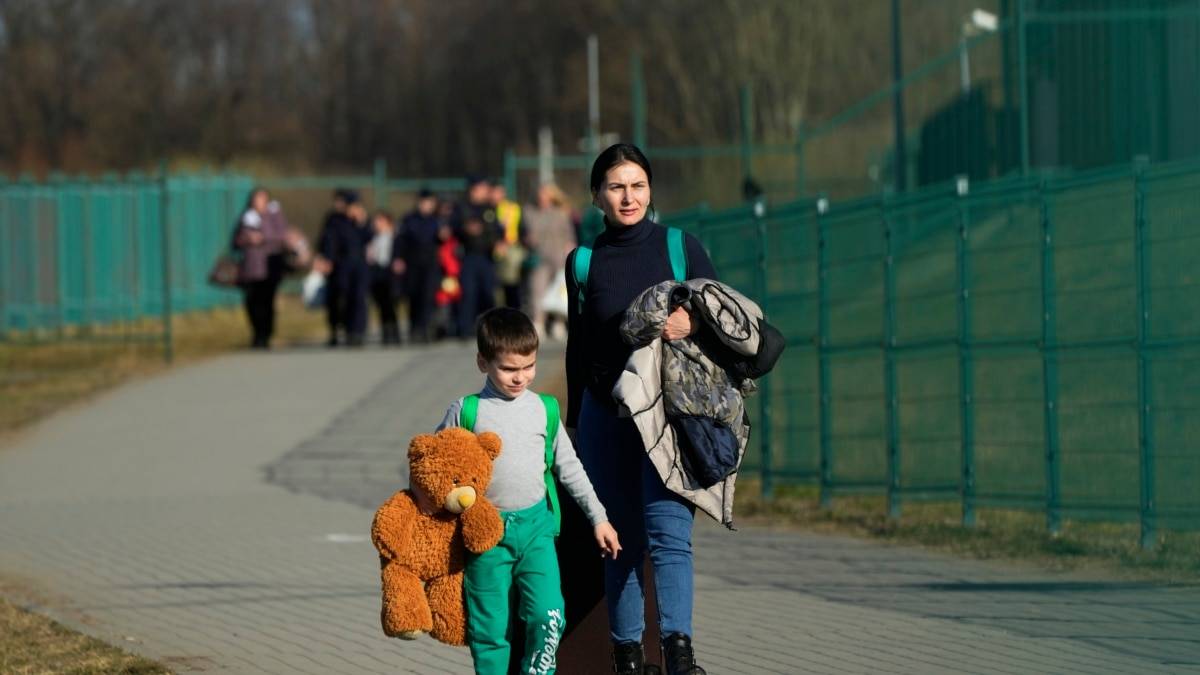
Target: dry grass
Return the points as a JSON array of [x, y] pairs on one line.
[[39, 378], [1110, 548], [32, 644]]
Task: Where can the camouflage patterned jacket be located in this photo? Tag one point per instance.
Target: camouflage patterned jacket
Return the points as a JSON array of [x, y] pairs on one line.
[[666, 382]]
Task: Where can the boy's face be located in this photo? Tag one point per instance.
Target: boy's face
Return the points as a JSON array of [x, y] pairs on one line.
[[510, 373]]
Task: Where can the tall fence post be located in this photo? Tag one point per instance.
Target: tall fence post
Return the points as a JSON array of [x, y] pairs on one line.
[[1050, 364], [747, 106], [765, 434], [1022, 89], [61, 249], [966, 366], [164, 205], [825, 421], [510, 173], [890, 394], [800, 177], [32, 304], [1146, 503], [379, 183], [5, 263]]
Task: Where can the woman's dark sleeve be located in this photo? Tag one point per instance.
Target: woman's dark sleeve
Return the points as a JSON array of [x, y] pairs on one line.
[[325, 240], [576, 370], [399, 245], [699, 264]]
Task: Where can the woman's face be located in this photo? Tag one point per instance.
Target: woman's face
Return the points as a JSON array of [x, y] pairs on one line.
[[260, 200], [624, 195]]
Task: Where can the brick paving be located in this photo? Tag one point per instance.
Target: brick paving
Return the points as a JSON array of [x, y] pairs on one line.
[[215, 518]]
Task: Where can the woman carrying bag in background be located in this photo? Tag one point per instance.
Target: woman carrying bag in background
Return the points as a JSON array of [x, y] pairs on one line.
[[263, 238]]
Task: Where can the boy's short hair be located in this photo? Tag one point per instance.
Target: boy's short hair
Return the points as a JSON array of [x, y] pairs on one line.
[[505, 330]]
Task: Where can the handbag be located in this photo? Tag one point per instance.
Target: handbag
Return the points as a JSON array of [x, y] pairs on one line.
[[224, 272], [554, 300], [313, 290]]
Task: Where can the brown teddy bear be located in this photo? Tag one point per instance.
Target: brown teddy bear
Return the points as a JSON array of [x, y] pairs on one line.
[[422, 555]]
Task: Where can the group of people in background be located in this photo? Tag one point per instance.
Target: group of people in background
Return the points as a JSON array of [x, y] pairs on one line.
[[448, 261]]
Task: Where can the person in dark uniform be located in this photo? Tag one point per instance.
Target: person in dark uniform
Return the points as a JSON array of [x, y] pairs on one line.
[[420, 235], [357, 279], [479, 233], [329, 252], [387, 270], [343, 260]]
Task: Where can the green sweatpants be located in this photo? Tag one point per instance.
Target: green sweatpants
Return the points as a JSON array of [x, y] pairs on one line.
[[525, 562]]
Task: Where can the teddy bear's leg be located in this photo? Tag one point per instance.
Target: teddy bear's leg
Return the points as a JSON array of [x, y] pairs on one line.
[[449, 609], [405, 611]]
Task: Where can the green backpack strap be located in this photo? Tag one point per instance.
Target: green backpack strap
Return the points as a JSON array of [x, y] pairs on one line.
[[678, 253], [470, 410], [676, 249], [583, 262], [552, 424], [466, 420]]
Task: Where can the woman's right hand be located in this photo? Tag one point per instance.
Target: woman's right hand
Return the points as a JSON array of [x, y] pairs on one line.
[[679, 325]]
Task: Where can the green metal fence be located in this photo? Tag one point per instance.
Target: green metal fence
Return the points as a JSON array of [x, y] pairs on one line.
[[83, 253], [1076, 84], [1030, 343]]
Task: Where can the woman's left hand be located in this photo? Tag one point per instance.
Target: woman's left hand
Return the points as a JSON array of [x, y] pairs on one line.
[[679, 325]]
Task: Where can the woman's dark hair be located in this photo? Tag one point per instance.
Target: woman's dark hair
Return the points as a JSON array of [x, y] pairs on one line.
[[618, 154], [255, 191]]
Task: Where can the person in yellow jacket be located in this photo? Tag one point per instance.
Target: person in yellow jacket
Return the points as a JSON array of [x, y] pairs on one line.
[[512, 254]]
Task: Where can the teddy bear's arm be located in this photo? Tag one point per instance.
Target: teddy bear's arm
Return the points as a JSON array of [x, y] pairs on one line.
[[392, 528], [481, 526]]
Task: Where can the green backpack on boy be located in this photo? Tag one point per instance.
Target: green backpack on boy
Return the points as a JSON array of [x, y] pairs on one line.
[[470, 411]]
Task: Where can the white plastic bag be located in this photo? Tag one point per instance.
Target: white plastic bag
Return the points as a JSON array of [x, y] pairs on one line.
[[313, 290], [554, 302]]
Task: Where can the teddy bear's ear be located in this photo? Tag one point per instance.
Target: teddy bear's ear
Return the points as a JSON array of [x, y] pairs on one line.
[[490, 443], [420, 446]]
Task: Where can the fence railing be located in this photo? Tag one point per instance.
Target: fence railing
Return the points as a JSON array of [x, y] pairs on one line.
[[1028, 343], [77, 254]]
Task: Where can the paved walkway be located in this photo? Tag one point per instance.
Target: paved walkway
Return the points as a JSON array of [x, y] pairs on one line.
[[215, 517]]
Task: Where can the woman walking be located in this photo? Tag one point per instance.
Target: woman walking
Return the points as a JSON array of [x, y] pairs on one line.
[[630, 255], [550, 234], [262, 237]]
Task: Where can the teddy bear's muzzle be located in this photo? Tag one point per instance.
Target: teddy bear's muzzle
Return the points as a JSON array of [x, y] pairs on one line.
[[460, 499]]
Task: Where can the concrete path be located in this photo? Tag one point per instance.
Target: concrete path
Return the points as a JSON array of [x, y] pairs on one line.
[[215, 518]]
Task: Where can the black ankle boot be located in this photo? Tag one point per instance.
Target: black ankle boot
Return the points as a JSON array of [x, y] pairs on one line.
[[628, 659], [678, 656]]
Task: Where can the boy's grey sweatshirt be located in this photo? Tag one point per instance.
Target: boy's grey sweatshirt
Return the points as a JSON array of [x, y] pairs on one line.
[[518, 473]]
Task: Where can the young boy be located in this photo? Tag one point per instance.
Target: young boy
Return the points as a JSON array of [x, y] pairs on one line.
[[520, 489]]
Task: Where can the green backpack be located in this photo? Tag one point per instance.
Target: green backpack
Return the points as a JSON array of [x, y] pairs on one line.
[[470, 411], [675, 249]]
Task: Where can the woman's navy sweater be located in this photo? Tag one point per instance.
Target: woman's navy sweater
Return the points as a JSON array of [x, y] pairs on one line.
[[626, 260]]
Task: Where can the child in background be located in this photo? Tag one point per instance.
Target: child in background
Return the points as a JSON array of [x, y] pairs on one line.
[[386, 267]]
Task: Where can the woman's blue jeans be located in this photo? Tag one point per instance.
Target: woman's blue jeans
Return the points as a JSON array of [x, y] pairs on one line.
[[648, 518]]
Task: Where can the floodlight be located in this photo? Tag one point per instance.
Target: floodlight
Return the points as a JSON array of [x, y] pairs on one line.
[[985, 21]]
